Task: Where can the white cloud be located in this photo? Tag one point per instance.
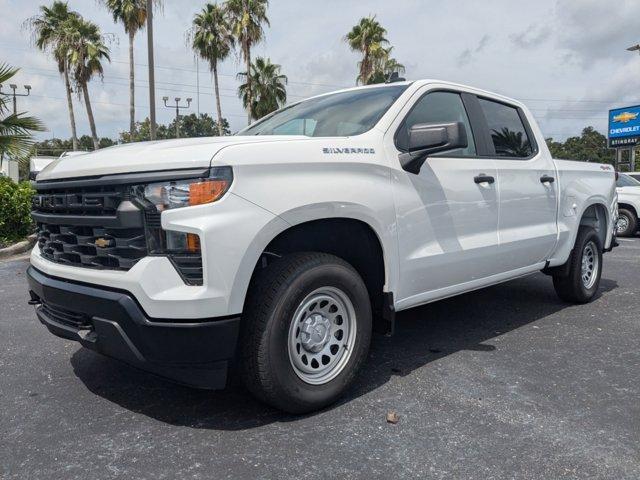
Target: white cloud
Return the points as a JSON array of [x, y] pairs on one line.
[[559, 56]]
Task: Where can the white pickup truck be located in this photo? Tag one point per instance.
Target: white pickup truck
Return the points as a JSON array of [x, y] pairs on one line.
[[282, 248]]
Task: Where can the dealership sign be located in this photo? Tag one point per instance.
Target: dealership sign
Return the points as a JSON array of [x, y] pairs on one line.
[[624, 127]]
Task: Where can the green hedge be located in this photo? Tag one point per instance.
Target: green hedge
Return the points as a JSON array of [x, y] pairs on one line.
[[15, 210]]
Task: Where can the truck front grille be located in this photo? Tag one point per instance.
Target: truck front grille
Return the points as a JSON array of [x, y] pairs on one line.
[[92, 227], [93, 247]]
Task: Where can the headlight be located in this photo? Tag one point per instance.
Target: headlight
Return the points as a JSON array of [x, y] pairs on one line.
[[182, 249], [186, 193]]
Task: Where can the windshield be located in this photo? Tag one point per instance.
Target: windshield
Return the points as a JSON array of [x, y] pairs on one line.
[[334, 115], [626, 181]]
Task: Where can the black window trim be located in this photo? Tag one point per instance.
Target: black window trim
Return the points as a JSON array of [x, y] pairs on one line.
[[473, 132], [484, 125]]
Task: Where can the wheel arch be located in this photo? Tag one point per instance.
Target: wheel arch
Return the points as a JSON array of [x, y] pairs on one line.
[[628, 206], [595, 215], [290, 232]]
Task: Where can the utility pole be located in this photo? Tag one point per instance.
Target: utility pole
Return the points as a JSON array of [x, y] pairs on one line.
[[198, 86], [152, 81], [632, 150], [14, 87], [178, 107]]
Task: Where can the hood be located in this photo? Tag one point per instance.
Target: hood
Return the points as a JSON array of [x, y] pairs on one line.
[[150, 156]]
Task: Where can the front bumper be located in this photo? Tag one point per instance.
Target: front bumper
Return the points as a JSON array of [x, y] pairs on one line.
[[111, 322]]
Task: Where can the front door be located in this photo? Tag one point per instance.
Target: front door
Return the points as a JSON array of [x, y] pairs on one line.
[[447, 215]]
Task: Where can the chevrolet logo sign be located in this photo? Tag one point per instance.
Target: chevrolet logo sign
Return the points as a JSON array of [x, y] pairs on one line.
[[103, 242], [625, 117]]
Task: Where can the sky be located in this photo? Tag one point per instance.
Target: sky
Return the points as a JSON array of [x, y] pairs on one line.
[[565, 59]]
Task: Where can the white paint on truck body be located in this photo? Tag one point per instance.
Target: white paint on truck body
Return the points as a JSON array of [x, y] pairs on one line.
[[441, 233]]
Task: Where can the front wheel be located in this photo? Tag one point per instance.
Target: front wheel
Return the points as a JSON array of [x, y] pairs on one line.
[[585, 269], [306, 331]]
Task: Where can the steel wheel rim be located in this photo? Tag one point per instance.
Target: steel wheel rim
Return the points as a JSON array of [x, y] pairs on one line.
[[622, 224], [590, 265], [322, 335]]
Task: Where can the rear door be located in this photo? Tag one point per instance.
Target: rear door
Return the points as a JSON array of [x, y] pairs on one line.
[[527, 187]]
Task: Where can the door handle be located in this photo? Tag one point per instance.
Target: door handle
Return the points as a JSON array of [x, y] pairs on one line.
[[547, 179], [482, 178]]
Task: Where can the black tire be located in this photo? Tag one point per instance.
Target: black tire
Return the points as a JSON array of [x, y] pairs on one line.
[[632, 223], [275, 295], [571, 288]]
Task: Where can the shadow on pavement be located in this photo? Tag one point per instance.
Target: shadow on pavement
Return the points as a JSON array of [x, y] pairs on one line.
[[423, 334]]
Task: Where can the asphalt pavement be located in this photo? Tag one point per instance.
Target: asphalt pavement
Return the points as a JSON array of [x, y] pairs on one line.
[[506, 382]]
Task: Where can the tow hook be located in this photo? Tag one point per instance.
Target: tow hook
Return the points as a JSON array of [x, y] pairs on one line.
[[35, 299]]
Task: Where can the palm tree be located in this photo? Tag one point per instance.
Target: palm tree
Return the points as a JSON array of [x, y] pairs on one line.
[[384, 65], [86, 56], [366, 37], [133, 15], [246, 18], [15, 129], [49, 36], [269, 91], [212, 39]]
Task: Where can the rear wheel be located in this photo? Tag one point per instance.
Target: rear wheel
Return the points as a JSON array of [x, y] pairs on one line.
[[306, 331], [585, 269], [627, 223]]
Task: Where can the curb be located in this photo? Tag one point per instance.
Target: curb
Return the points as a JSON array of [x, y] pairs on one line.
[[19, 247]]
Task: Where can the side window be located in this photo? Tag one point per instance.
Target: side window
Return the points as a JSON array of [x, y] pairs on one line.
[[508, 133], [437, 107]]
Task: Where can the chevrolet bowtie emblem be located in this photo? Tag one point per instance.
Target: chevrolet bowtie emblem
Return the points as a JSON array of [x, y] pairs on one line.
[[625, 117], [102, 242]]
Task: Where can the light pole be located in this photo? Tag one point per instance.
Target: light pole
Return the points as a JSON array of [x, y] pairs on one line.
[[152, 81], [14, 87], [178, 107]]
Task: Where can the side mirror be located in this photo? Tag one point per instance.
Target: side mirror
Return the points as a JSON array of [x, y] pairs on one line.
[[429, 138]]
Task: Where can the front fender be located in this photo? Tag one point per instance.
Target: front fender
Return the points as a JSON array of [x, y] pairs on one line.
[[303, 214]]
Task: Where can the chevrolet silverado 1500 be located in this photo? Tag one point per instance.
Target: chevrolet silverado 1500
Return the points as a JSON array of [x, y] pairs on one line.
[[282, 248]]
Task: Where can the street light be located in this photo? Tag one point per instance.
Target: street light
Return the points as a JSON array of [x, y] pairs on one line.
[[634, 48], [14, 87], [178, 107]]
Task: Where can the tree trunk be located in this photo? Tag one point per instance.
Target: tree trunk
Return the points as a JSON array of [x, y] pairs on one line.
[[249, 86], [72, 117], [132, 88], [215, 86], [364, 67], [92, 122]]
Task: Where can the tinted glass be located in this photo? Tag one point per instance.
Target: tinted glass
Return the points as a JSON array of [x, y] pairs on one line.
[[635, 176], [509, 136], [336, 114], [626, 181], [438, 107]]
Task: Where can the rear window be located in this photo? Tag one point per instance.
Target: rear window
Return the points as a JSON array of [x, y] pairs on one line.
[[508, 133]]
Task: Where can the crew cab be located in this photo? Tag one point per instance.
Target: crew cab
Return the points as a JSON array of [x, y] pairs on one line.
[[628, 189], [282, 248]]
